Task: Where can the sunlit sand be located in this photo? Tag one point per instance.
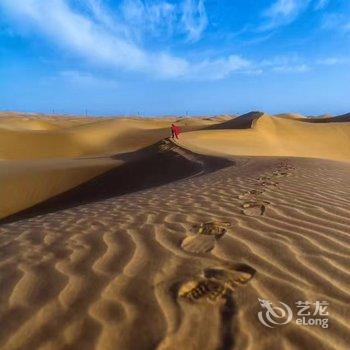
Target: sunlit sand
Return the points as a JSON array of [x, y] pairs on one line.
[[115, 236]]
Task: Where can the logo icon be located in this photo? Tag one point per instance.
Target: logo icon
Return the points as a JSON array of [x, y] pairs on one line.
[[274, 315]]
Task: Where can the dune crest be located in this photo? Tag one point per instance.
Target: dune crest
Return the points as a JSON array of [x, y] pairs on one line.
[[42, 157], [131, 240], [273, 136], [56, 154]]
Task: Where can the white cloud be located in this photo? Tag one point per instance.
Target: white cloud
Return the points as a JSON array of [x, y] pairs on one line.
[[283, 12], [301, 68], [149, 18], [286, 64], [332, 61], [108, 39], [105, 18], [159, 18], [220, 68], [194, 18], [100, 40], [336, 21], [295, 64]]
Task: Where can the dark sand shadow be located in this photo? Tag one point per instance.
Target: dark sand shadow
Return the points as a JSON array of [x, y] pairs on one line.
[[152, 166]]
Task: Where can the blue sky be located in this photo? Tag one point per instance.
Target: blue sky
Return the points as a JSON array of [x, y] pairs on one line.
[[158, 57]]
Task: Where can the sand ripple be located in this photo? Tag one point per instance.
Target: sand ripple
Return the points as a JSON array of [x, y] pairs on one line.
[[107, 274]]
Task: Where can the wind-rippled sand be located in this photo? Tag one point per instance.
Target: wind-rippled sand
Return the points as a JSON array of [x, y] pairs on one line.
[[104, 275], [132, 271]]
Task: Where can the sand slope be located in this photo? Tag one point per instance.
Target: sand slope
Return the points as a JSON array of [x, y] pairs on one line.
[[25, 183], [113, 274], [272, 136], [44, 156], [329, 119], [244, 121], [40, 147], [136, 242]]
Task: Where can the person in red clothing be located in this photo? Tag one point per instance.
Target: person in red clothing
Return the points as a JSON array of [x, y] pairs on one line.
[[175, 131]]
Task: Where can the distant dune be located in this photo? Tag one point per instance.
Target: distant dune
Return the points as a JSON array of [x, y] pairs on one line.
[[273, 136], [338, 119], [55, 154], [114, 236], [244, 121], [44, 156], [290, 115]]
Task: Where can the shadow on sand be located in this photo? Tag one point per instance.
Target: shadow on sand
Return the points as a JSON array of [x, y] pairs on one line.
[[156, 165]]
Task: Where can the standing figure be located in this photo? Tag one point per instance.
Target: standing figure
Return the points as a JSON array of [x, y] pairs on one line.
[[175, 131]]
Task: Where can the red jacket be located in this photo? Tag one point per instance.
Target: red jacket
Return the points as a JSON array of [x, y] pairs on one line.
[[176, 130]]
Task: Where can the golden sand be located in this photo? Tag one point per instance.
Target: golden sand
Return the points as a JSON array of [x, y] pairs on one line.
[[175, 244]]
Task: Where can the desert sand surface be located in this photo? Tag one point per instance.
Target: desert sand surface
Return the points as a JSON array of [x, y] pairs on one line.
[[114, 236], [263, 135], [43, 156]]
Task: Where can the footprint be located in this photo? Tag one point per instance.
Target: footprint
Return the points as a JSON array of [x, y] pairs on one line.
[[264, 178], [251, 193], [97, 225], [198, 244], [231, 279], [215, 228], [286, 167], [201, 289], [165, 146], [247, 196], [215, 285], [254, 208], [268, 184], [203, 241], [281, 173], [256, 192]]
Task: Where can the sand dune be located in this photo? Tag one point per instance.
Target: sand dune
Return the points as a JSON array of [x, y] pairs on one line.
[[132, 241], [76, 144], [26, 183], [329, 119], [98, 138], [290, 115], [172, 163], [44, 156], [343, 118], [114, 274], [272, 136], [244, 121], [11, 123], [101, 137]]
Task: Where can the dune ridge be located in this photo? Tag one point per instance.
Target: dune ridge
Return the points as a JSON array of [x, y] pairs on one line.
[[88, 148], [147, 243], [169, 160], [273, 136], [39, 164]]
